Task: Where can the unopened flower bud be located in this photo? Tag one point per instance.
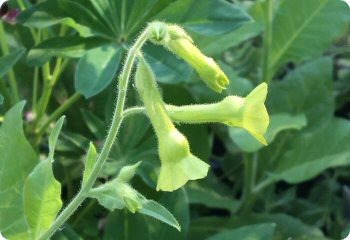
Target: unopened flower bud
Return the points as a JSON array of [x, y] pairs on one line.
[[180, 43]]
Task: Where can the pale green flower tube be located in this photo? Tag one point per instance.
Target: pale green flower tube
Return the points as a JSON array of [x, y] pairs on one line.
[[178, 165], [249, 113], [180, 43]]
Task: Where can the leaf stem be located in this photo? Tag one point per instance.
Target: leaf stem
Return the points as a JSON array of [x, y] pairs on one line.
[[133, 110], [268, 15], [112, 133]]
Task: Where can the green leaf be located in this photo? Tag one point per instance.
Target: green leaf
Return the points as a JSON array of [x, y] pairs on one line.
[[82, 13], [124, 225], [8, 61], [95, 124], [71, 47], [96, 69], [306, 90], [278, 122], [16, 162], [42, 198], [257, 232], [197, 194], [49, 13], [54, 136], [154, 209], [323, 151], [209, 45], [167, 68], [213, 17], [294, 31], [90, 162], [177, 203]]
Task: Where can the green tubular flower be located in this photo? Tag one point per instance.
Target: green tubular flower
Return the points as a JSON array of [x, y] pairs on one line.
[[249, 113], [178, 165], [177, 41]]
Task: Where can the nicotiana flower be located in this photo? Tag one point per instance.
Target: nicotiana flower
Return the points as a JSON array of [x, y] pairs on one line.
[[249, 113], [178, 165], [180, 43]]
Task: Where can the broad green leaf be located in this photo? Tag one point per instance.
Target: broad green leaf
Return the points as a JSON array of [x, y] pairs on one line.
[[177, 203], [49, 13], [125, 17], [82, 13], [296, 25], [257, 232], [306, 90], [278, 122], [313, 153], [1, 99], [54, 136], [285, 226], [207, 196], [123, 225], [90, 161], [71, 47], [209, 45], [96, 69], [154, 209], [16, 162], [205, 17], [167, 68], [42, 198], [8, 61]]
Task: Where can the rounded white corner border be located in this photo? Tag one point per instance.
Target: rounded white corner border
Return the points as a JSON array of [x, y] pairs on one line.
[[347, 2]]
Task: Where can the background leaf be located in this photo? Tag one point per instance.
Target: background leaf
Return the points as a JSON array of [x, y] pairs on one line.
[[323, 151], [17, 161], [207, 18], [96, 69], [8, 61], [256, 232], [42, 198], [292, 37], [71, 47]]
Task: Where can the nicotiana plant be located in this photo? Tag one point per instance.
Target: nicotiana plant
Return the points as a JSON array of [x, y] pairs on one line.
[[41, 203]]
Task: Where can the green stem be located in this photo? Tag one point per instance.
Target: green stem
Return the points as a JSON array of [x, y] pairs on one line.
[[112, 133], [49, 82], [11, 74], [35, 89], [133, 110], [268, 15], [56, 114]]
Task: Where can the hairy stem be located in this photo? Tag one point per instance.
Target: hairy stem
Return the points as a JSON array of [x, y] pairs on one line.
[[112, 133]]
